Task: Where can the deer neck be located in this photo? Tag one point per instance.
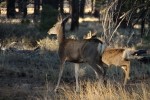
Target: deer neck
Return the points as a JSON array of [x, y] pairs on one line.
[[61, 36]]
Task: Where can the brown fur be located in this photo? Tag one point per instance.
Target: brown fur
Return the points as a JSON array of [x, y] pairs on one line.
[[76, 51], [115, 57]]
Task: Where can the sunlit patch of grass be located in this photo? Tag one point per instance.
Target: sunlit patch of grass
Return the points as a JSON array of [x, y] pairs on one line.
[[89, 19], [95, 91], [48, 44]]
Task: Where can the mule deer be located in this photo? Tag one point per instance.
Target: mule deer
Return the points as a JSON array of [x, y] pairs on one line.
[[76, 51], [118, 57]]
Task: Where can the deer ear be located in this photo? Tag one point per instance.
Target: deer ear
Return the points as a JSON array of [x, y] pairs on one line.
[[59, 18], [65, 19], [94, 34]]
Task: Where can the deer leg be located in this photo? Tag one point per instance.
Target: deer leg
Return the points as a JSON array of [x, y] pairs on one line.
[[97, 77], [76, 76], [126, 69], [97, 70], [60, 75], [104, 76], [104, 66]]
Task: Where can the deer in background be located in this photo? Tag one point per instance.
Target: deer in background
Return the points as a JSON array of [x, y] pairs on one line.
[[117, 56], [76, 51]]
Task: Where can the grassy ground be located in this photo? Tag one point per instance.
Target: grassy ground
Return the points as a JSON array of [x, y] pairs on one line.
[[32, 75]]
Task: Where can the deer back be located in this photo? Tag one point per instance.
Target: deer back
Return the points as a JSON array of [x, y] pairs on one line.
[[113, 56]]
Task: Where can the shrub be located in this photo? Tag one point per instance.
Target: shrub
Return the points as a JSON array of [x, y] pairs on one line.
[[48, 18]]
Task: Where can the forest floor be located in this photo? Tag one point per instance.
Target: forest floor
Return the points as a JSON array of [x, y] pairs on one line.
[[29, 74]]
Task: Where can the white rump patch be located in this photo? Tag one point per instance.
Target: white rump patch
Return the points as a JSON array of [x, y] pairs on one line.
[[127, 54]]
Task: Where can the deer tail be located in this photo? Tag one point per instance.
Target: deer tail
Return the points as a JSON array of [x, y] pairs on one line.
[[101, 47]]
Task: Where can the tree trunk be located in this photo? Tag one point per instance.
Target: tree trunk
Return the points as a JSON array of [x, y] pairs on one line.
[[82, 7], [70, 8], [75, 15], [143, 15], [92, 5], [10, 8], [22, 7], [61, 5], [36, 7]]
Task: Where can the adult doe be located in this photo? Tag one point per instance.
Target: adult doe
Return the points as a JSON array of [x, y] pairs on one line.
[[76, 51]]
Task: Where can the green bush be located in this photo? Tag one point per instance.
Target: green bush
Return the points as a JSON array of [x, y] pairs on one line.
[[48, 18]]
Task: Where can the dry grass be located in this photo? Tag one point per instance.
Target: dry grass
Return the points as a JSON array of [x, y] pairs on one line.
[[36, 75], [48, 44], [33, 76], [96, 91]]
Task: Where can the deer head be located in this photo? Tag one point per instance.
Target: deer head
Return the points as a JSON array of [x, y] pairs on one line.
[[59, 29], [59, 26]]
